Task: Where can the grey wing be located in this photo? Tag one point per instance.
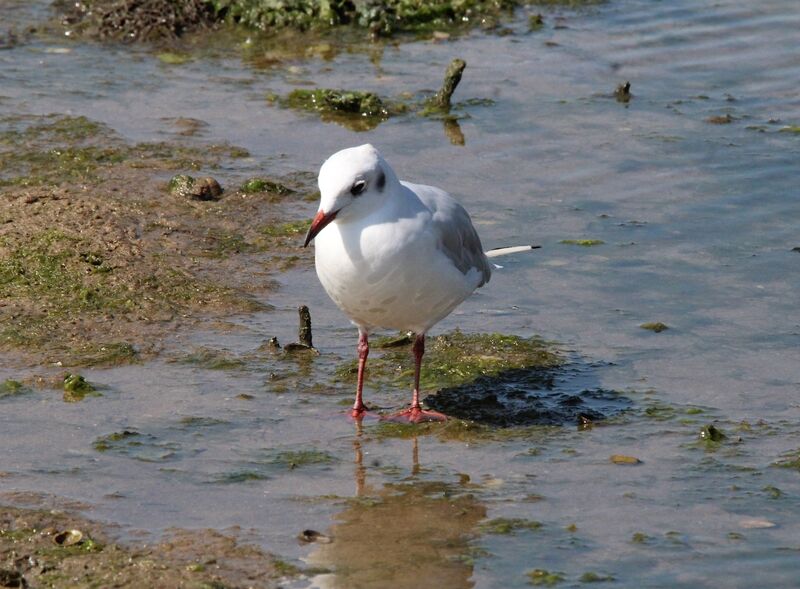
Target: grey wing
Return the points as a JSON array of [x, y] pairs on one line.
[[458, 238]]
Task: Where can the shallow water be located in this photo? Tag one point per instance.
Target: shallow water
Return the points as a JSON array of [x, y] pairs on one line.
[[698, 222]]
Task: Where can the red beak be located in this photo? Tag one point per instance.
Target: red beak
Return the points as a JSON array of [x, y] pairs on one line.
[[318, 224]]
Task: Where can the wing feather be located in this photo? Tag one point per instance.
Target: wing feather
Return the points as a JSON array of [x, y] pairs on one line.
[[457, 236]]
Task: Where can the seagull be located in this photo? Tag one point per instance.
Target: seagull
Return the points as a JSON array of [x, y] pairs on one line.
[[393, 255]]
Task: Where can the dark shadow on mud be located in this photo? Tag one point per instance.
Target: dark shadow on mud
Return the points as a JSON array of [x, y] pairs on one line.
[[531, 396]]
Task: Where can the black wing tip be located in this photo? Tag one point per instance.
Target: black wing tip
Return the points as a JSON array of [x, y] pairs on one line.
[[530, 246]]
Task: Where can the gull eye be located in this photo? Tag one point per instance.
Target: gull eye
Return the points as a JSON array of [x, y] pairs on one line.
[[358, 187]]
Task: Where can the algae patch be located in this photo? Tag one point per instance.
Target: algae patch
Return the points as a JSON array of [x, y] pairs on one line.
[[455, 358], [12, 388], [356, 110], [132, 444], [583, 242], [506, 526], [66, 550], [76, 388], [91, 273], [655, 326], [545, 578]]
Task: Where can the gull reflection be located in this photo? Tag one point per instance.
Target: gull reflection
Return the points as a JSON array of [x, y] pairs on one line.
[[408, 535]]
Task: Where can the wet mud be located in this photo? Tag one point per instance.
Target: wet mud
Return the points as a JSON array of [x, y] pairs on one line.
[[524, 397], [58, 548]]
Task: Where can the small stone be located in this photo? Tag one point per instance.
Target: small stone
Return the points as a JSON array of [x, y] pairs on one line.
[[10, 578], [623, 459], [720, 119], [314, 536], [754, 523], [655, 326], [186, 186]]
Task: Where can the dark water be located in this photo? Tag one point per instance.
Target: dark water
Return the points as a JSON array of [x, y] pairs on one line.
[[698, 222]]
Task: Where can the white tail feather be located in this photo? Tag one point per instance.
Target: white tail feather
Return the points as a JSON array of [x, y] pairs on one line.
[[502, 251]]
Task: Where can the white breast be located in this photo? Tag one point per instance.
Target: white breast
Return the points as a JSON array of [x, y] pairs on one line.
[[390, 275]]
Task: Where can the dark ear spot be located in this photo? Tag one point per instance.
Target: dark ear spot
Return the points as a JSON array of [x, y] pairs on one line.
[[381, 182]]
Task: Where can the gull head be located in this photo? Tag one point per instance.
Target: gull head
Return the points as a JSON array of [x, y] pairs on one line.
[[352, 183]]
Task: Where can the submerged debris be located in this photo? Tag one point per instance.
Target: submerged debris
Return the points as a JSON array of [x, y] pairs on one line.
[[535, 22], [363, 111], [710, 433], [623, 92], [303, 332], [452, 77]]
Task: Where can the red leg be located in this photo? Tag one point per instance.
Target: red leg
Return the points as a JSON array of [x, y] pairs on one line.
[[415, 413], [359, 409]]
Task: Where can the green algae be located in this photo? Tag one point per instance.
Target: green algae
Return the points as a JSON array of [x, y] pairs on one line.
[[256, 185], [293, 459], [53, 150], [655, 326], [460, 430], [583, 242], [94, 561], [363, 111], [173, 58], [286, 569], [105, 354], [456, 358], [535, 22], [239, 476], [77, 388], [544, 578], [356, 110], [712, 434], [660, 412], [69, 262], [592, 577], [110, 441], [508, 526], [286, 231], [212, 359], [136, 445], [789, 460], [12, 388]]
